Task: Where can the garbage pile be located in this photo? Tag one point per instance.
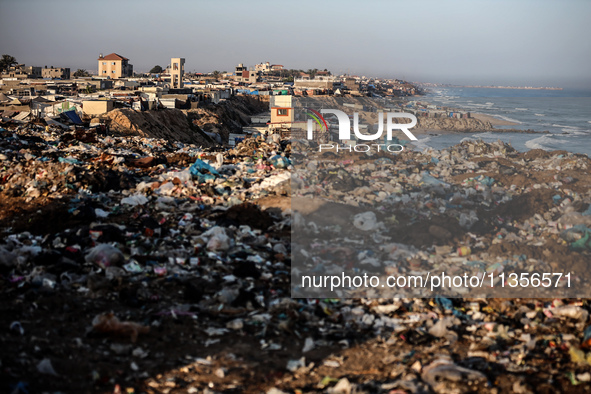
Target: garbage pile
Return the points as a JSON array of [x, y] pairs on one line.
[[143, 265], [481, 210]]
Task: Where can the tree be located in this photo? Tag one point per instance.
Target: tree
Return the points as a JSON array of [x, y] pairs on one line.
[[6, 62], [216, 74], [156, 70], [81, 73], [312, 72]]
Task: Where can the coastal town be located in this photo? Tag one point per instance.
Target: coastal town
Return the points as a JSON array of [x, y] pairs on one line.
[[56, 96]]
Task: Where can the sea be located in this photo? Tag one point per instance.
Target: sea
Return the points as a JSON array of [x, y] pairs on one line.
[[565, 114]]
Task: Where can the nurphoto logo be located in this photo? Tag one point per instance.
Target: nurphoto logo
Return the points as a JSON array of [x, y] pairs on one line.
[[345, 129]]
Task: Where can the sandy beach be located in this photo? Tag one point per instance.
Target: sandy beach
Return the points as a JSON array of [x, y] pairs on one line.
[[493, 120]]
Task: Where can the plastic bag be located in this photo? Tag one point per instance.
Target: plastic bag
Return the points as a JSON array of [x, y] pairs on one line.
[[203, 171], [104, 255]]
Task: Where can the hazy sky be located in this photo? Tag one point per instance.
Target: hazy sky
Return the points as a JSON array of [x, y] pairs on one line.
[[525, 42]]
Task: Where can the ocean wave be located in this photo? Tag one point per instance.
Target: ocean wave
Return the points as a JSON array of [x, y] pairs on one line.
[[508, 119], [521, 109], [486, 135], [564, 126], [539, 114], [545, 142], [421, 144], [576, 132]]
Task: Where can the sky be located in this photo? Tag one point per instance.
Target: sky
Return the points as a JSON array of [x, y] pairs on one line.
[[485, 42]]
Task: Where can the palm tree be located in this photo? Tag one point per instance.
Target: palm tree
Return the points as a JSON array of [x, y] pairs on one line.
[[6, 62]]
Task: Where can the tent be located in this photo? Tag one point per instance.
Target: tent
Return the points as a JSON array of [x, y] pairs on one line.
[[73, 116]]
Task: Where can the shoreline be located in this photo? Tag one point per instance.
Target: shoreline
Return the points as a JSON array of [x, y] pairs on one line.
[[493, 120]]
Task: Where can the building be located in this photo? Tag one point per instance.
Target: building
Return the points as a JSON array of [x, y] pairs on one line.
[[21, 72], [282, 114], [97, 107], [34, 72], [242, 74], [55, 73], [177, 71], [351, 84], [276, 67], [114, 66], [263, 67], [317, 83]]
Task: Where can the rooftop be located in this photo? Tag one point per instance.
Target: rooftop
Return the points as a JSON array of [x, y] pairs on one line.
[[113, 56]]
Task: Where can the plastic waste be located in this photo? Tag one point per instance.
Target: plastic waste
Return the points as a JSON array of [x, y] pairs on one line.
[[203, 171], [294, 365], [135, 200], [308, 345], [429, 180], [464, 251], [572, 311], [444, 370], [278, 161], [365, 221], [104, 255], [45, 367], [219, 241]]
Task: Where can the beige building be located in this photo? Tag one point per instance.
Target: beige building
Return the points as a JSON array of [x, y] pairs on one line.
[[97, 107], [55, 73], [177, 71], [21, 72], [282, 114], [114, 66], [316, 83]]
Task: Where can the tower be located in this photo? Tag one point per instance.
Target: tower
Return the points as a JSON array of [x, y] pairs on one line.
[[177, 70]]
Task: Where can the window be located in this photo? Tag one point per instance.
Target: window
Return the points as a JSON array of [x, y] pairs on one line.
[[113, 72], [113, 63], [104, 71], [104, 63], [282, 112]]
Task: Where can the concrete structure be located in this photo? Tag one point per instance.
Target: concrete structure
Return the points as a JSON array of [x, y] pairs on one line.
[[55, 73], [21, 72], [97, 107], [96, 84], [263, 67], [177, 71], [318, 82], [351, 84], [33, 72], [282, 114], [114, 66], [242, 74]]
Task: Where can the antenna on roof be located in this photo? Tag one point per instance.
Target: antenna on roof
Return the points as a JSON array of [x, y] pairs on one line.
[[101, 55]]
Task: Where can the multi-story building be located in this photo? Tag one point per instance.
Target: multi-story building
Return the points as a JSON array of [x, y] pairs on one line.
[[177, 70], [242, 74], [21, 72], [263, 67], [114, 66], [55, 73]]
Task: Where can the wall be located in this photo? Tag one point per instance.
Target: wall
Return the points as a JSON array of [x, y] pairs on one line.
[[97, 107]]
